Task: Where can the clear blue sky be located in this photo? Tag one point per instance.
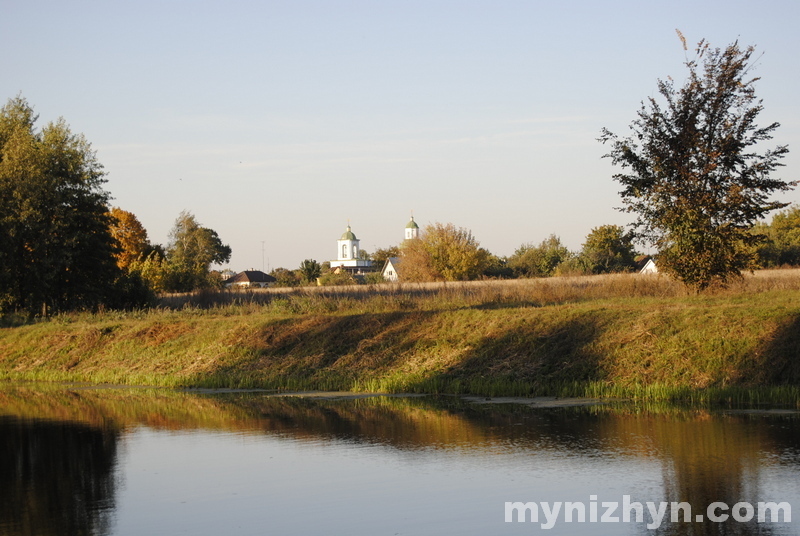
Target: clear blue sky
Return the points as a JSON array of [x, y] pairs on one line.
[[279, 121]]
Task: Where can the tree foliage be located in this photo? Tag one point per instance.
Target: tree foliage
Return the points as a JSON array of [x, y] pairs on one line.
[[310, 270], [782, 247], [56, 251], [379, 256], [191, 252], [156, 271], [131, 237], [337, 279], [444, 252], [539, 260], [285, 277], [497, 267], [693, 172], [607, 249]]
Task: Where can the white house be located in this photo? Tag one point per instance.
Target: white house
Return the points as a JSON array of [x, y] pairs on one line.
[[347, 254], [649, 267], [389, 271]]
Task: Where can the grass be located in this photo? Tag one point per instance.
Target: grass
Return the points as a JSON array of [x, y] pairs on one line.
[[605, 336]]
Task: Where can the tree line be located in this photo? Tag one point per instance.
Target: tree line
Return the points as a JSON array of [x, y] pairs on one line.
[[62, 247], [694, 171]]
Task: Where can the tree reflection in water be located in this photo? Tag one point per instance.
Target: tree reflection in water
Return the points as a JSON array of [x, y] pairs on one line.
[[58, 447], [56, 477]]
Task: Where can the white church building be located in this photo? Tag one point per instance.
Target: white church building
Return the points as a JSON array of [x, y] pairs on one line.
[[348, 250], [347, 254]]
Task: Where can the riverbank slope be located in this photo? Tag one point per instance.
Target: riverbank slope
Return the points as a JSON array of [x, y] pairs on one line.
[[598, 336]]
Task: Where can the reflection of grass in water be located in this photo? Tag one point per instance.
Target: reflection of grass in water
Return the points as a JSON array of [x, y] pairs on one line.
[[405, 422], [705, 457], [121, 407]]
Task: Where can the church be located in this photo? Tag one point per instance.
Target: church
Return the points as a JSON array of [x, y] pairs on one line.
[[348, 251], [348, 255]]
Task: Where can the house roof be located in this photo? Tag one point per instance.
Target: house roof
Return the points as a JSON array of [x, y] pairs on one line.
[[640, 261], [251, 276], [394, 261]]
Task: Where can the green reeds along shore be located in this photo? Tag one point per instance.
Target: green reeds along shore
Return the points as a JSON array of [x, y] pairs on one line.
[[623, 336]]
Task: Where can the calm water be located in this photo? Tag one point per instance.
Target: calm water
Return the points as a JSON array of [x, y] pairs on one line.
[[134, 462]]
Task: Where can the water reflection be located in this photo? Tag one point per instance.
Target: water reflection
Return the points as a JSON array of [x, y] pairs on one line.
[[57, 478], [60, 466]]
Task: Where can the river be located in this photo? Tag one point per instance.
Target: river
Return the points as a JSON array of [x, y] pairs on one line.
[[81, 460]]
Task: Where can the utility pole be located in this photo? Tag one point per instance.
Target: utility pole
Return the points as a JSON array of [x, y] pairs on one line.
[[262, 255]]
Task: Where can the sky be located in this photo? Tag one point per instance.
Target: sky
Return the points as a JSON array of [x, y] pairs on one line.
[[277, 123]]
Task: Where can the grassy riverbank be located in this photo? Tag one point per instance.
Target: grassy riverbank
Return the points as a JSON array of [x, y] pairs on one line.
[[597, 336]]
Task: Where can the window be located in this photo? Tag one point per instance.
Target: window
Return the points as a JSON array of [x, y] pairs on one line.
[[344, 251]]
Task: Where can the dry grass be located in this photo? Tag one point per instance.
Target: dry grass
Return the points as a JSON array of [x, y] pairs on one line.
[[617, 335], [428, 296]]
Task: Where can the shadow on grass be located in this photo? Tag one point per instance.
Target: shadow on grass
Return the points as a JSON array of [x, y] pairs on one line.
[[779, 357], [420, 351], [526, 360], [342, 347], [482, 352]]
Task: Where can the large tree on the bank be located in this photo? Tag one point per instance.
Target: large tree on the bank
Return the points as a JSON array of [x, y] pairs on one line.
[[191, 252], [56, 250], [695, 169]]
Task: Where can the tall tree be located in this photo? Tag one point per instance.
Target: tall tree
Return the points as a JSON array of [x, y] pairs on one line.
[[56, 250], [694, 174], [443, 253], [191, 252]]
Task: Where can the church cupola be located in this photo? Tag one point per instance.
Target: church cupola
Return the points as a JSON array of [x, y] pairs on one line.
[[348, 246], [412, 229]]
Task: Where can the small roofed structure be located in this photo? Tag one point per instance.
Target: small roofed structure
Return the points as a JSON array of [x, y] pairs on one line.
[[390, 272], [250, 279], [646, 265]]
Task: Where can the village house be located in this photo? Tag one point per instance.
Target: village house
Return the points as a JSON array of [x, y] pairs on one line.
[[390, 269], [249, 279], [646, 265]]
